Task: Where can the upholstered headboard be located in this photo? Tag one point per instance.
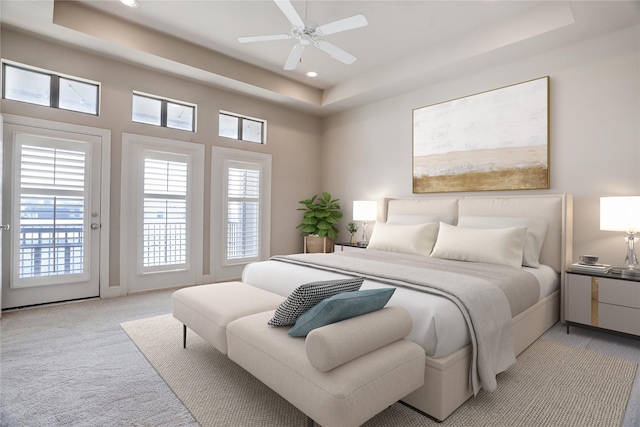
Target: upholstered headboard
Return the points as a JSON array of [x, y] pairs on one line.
[[555, 209]]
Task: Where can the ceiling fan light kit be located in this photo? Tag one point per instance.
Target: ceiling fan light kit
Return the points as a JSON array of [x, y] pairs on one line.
[[306, 35]]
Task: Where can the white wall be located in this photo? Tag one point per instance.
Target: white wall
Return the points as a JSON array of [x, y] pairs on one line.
[[293, 137], [594, 134]]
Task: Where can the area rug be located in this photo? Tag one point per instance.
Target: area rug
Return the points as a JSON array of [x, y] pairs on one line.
[[551, 385]]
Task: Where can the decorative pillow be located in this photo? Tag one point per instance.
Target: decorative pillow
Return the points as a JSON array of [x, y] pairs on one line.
[[494, 246], [411, 219], [340, 307], [409, 239], [536, 232], [306, 296]]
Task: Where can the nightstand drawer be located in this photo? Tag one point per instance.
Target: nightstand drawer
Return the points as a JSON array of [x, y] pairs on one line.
[[619, 292], [341, 247], [617, 318]]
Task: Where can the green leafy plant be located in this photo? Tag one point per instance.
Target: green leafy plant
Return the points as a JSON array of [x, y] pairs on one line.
[[321, 216], [352, 228]]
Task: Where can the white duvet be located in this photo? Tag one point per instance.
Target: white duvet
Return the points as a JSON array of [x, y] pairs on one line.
[[438, 325]]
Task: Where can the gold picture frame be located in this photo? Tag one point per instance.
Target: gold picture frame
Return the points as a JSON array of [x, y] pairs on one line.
[[494, 140]]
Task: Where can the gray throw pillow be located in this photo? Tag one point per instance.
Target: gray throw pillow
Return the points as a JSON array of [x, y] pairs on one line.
[[340, 307], [306, 296]]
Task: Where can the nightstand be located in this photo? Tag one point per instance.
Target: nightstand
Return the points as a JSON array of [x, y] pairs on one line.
[[607, 301], [340, 247]]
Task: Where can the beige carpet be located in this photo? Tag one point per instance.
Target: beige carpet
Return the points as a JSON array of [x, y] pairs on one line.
[[551, 385]]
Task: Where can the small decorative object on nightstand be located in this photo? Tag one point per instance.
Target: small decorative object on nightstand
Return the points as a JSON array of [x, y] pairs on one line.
[[352, 228], [606, 300]]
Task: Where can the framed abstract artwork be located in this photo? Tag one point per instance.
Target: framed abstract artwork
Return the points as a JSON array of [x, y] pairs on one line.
[[494, 140]]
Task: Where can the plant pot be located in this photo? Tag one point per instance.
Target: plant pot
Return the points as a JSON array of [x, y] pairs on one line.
[[354, 240], [317, 245]]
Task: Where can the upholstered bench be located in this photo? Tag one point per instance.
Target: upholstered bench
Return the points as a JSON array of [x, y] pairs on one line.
[[208, 309], [341, 374]]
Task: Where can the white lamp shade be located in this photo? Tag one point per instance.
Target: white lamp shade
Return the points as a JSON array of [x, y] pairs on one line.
[[365, 210], [620, 213]]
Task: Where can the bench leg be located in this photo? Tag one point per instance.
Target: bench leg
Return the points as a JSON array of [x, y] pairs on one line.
[[184, 336]]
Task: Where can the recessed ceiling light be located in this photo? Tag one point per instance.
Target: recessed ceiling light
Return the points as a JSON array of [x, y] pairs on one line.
[[312, 74], [130, 3]]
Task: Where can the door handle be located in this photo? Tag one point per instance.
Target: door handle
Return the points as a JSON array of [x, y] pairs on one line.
[[5, 227], [94, 226]]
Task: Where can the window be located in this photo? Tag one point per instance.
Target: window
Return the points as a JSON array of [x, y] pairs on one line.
[[25, 84], [164, 211], [52, 196], [242, 128], [243, 211], [240, 209], [161, 241], [156, 111]]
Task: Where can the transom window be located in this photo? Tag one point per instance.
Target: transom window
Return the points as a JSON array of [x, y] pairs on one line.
[[242, 128], [156, 111], [35, 86]]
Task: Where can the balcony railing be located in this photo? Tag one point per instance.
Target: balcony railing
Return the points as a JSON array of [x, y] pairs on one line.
[[48, 251]]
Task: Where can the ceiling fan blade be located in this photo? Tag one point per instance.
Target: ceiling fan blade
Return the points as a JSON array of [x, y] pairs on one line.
[[290, 12], [294, 57], [263, 38], [345, 24], [335, 52]]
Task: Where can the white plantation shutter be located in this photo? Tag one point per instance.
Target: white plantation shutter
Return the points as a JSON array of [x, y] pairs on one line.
[[53, 194], [164, 211], [242, 211], [161, 240]]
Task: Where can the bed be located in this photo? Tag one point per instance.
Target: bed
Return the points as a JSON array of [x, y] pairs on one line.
[[442, 324]]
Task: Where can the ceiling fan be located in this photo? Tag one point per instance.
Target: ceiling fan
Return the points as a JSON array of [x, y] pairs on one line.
[[306, 35]]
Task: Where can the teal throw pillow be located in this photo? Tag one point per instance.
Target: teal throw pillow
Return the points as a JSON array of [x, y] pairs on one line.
[[340, 307]]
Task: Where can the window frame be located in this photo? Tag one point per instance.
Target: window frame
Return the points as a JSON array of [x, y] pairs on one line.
[[241, 118], [164, 102], [235, 164], [17, 194], [221, 157], [54, 86], [131, 278], [145, 154]]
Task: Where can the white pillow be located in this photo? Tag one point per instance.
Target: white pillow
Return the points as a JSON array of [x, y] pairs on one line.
[[494, 246], [536, 232], [409, 239], [419, 219]]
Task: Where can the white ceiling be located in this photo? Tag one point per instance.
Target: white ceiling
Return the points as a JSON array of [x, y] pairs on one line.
[[406, 43]]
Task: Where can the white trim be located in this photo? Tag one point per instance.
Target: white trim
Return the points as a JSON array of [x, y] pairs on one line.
[[106, 291], [132, 148], [220, 270]]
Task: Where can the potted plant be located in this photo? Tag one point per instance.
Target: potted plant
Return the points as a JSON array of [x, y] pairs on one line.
[[318, 225], [352, 228]]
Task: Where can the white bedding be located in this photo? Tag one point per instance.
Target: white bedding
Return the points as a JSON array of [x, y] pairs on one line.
[[438, 325]]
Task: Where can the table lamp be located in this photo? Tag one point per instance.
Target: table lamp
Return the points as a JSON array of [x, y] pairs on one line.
[[623, 214], [365, 211]]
